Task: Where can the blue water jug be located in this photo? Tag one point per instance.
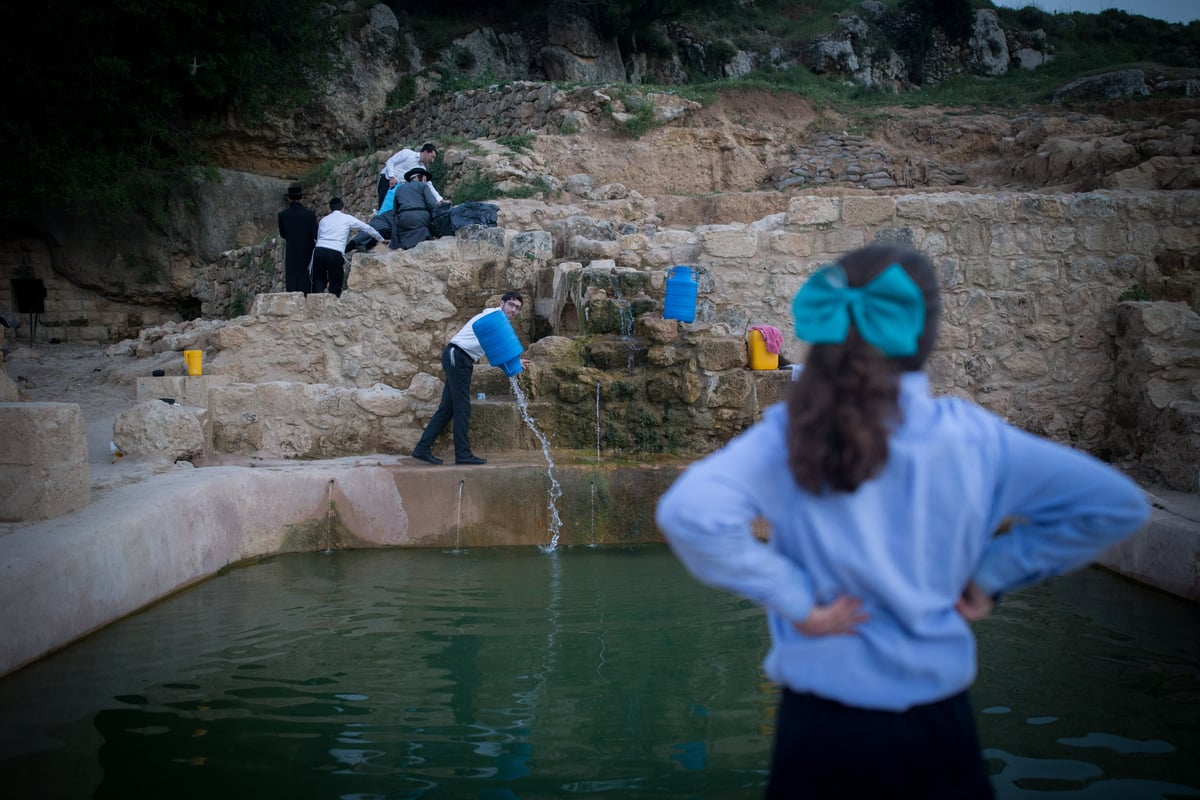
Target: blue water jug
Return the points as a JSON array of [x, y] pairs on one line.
[[499, 341], [680, 302]]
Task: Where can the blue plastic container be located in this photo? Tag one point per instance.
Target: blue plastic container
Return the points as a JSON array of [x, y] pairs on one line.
[[500, 343], [680, 302]]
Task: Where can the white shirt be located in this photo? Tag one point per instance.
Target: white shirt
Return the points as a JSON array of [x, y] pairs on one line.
[[334, 229], [402, 162], [466, 338]]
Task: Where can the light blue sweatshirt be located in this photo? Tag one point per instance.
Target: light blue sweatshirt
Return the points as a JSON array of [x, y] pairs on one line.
[[906, 542]]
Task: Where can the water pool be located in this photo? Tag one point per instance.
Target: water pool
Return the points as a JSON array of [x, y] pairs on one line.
[[508, 673]]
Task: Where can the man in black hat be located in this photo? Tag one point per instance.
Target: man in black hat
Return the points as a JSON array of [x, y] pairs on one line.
[[298, 229], [412, 210]]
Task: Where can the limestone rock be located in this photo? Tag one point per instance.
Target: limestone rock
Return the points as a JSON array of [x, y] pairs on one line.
[[157, 428], [576, 52], [1110, 85], [987, 49], [9, 393], [502, 56], [43, 461]]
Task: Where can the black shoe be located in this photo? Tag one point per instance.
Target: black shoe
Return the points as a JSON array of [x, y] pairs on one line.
[[427, 457], [470, 460]]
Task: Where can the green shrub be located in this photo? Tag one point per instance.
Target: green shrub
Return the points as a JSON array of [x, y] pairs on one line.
[[320, 178], [473, 187], [1135, 292], [403, 93], [520, 144], [640, 121], [717, 55], [237, 306]]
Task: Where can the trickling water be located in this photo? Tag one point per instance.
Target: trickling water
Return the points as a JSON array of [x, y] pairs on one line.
[[597, 423], [458, 519], [625, 311], [329, 519], [555, 488], [592, 537], [625, 324]]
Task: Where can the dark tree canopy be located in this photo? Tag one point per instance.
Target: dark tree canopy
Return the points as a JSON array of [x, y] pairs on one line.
[[102, 95]]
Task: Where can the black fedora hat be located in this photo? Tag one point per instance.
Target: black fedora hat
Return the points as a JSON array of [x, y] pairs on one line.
[[412, 173], [295, 192]]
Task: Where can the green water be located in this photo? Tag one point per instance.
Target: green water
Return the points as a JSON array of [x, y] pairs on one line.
[[508, 673]]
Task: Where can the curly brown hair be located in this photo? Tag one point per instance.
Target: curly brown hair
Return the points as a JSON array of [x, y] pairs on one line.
[[844, 404]]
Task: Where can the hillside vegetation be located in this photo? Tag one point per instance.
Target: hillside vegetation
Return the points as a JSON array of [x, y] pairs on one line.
[[132, 89]]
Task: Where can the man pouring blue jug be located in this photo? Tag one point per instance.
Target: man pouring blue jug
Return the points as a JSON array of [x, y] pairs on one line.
[[458, 363]]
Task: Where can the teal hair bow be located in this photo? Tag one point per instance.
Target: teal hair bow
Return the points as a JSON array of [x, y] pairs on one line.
[[889, 312]]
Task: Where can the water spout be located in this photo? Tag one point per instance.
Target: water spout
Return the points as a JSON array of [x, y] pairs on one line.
[[458, 519], [555, 488], [329, 519], [625, 312]]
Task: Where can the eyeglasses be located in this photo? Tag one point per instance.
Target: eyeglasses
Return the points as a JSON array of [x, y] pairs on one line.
[[514, 304]]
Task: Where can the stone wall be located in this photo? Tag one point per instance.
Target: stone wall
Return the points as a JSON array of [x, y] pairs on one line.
[[71, 313], [1156, 424], [518, 108], [227, 286], [1030, 282], [43, 461]]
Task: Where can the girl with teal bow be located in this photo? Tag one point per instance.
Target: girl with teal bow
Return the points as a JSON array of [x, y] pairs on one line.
[[882, 502]]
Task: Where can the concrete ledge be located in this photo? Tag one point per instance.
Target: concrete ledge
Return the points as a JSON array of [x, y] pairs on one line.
[[1165, 553]]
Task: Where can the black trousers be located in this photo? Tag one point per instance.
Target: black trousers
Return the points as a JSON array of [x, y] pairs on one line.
[[824, 749], [381, 189], [295, 275], [329, 270], [455, 405]]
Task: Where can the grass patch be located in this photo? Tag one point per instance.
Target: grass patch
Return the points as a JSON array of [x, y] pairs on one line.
[[473, 187], [638, 123], [403, 93], [321, 177], [519, 144]]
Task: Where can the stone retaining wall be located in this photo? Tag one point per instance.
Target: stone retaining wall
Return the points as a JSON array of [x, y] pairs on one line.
[[1156, 424], [72, 313], [1030, 283], [514, 109]]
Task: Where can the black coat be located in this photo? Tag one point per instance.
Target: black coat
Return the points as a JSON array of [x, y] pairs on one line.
[[414, 206], [298, 228]]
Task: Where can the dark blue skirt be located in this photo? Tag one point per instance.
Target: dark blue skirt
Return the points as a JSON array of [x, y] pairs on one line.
[[824, 749]]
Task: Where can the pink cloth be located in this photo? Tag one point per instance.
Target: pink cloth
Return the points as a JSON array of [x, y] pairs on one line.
[[772, 338]]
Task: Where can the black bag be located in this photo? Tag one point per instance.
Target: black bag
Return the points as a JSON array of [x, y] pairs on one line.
[[439, 224], [473, 213]]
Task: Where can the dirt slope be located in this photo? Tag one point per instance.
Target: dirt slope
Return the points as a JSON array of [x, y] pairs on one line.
[[744, 141]]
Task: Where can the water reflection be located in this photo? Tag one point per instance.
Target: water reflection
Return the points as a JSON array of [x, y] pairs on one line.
[[512, 673]]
